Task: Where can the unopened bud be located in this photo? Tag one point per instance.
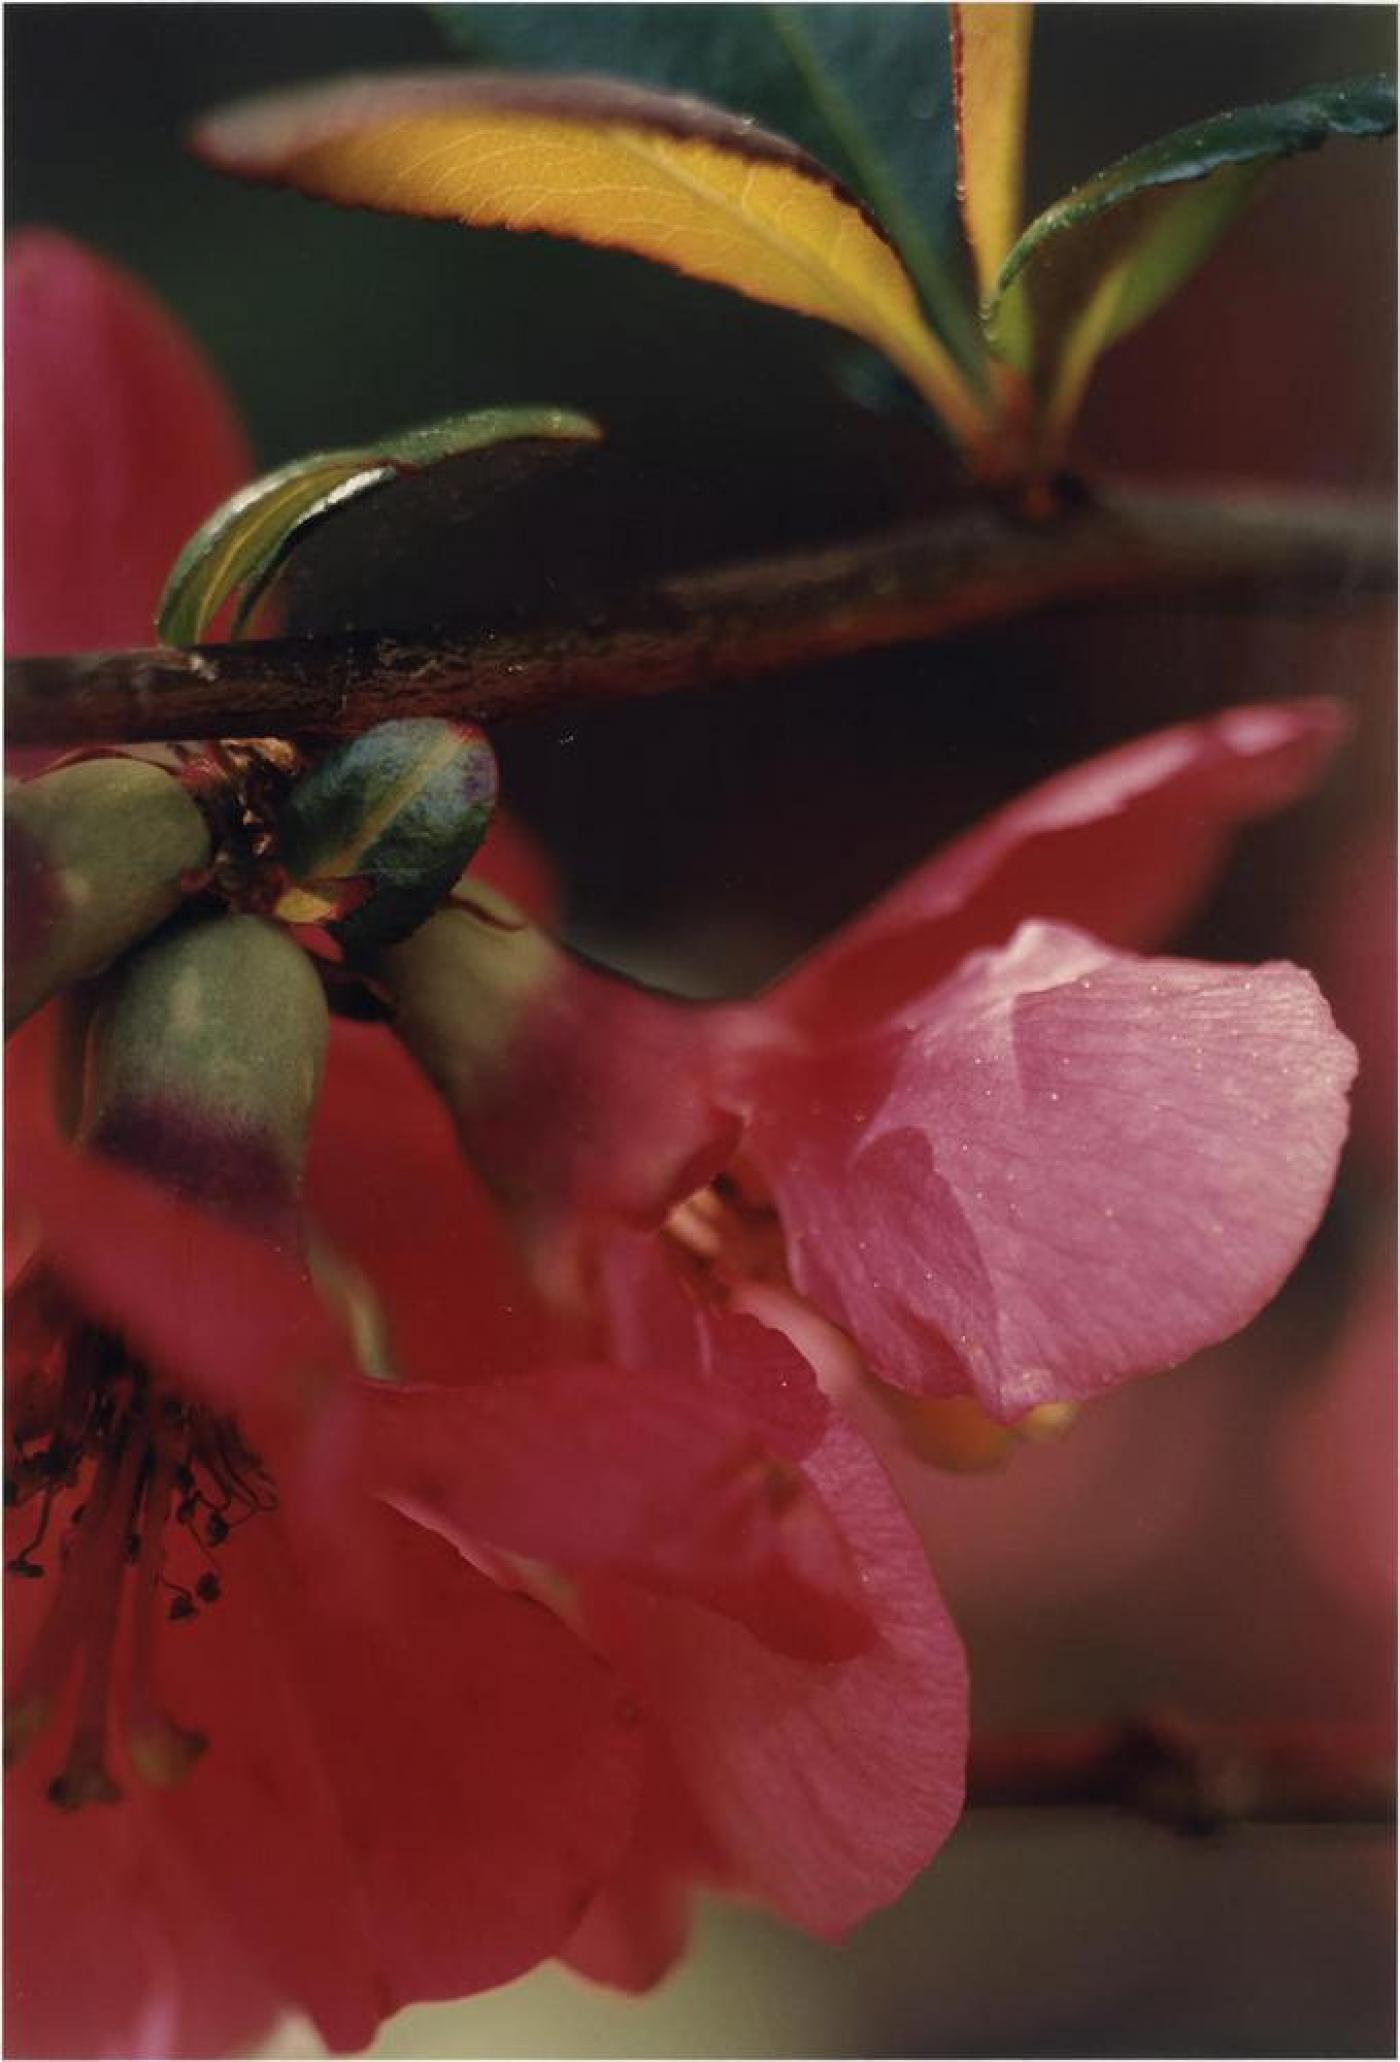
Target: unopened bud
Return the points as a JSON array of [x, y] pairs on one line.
[[205, 1063], [95, 857], [374, 837]]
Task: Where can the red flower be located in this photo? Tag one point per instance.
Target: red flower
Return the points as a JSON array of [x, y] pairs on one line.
[[392, 1745], [118, 442]]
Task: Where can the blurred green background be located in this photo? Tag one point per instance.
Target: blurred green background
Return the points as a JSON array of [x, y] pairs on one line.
[[1150, 1559]]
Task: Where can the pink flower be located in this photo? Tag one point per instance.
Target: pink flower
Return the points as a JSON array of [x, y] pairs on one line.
[[413, 1716], [1013, 1160], [1008, 1162], [792, 1754]]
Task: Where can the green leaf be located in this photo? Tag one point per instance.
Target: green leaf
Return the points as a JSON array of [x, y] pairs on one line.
[[609, 163], [1104, 258], [246, 542], [376, 835], [867, 90]]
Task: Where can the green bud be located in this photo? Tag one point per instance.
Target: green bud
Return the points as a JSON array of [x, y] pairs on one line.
[[95, 855], [374, 837], [205, 1061]]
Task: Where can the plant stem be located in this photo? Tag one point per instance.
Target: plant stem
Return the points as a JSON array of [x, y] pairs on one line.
[[979, 563], [1195, 1780]]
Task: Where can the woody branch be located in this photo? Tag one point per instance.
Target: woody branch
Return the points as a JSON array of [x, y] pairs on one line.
[[978, 564]]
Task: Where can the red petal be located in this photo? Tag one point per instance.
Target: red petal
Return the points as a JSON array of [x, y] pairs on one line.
[[597, 1468], [655, 1324], [1070, 1167], [103, 1893], [1085, 848], [217, 1310], [825, 1789], [636, 1928], [387, 1181], [411, 1791], [118, 443]]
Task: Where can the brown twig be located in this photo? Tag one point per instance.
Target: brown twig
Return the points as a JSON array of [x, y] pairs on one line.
[[1195, 1780], [977, 564]]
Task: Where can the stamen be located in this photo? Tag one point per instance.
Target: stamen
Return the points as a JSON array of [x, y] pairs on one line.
[[108, 1456], [59, 1640], [85, 1778], [161, 1751]]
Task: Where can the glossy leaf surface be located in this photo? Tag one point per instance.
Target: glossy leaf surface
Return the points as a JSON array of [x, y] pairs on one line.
[[246, 542], [667, 178], [867, 90], [1104, 258], [991, 75], [377, 834]]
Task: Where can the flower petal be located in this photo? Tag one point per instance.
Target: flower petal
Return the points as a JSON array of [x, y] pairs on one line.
[[218, 1310], [412, 1788], [118, 441], [654, 1322], [1070, 1166], [825, 1789], [103, 1891], [387, 1182], [591, 1467], [637, 1926], [1085, 848]]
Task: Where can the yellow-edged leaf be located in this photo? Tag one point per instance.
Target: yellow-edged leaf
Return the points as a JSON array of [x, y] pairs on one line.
[[664, 176], [991, 75]]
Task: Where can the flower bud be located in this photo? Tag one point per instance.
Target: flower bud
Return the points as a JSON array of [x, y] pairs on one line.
[[204, 1064], [375, 836], [94, 856]]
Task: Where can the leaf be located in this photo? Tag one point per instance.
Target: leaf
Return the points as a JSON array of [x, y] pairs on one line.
[[667, 178], [377, 834], [867, 90], [991, 77], [1104, 258], [246, 542]]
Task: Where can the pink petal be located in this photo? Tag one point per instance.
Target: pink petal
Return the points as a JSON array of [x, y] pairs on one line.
[[597, 1468], [118, 443], [1070, 1166], [824, 1788], [654, 1322], [1085, 848]]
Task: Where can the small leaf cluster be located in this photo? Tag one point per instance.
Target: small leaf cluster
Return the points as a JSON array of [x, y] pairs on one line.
[[842, 211]]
